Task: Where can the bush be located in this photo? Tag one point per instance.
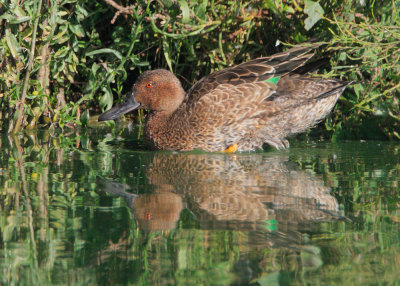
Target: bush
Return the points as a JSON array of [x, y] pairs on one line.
[[64, 59]]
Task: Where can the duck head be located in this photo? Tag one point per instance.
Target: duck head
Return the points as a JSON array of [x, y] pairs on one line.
[[157, 90]]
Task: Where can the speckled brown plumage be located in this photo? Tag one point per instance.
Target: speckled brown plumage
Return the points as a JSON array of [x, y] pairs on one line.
[[238, 105]]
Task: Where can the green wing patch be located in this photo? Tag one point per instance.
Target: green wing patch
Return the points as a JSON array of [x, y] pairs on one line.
[[274, 80]]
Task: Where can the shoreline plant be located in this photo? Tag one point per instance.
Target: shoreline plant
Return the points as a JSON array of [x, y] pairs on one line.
[[62, 61]]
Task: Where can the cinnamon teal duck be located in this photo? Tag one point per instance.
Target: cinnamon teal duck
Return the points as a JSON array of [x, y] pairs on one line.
[[239, 108]]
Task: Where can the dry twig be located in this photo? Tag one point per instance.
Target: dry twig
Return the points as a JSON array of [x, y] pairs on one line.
[[121, 10]]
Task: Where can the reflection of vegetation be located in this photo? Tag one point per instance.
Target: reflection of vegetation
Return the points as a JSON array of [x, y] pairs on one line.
[[366, 251], [58, 228]]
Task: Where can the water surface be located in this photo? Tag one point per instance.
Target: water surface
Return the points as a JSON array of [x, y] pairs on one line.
[[95, 208]]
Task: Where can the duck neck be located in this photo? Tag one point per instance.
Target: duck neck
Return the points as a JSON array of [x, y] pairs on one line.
[[159, 116], [160, 127], [157, 121]]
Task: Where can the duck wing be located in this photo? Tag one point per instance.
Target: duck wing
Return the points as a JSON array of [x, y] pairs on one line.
[[257, 70]]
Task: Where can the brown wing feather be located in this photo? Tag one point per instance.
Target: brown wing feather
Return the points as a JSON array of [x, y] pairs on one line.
[[260, 69]]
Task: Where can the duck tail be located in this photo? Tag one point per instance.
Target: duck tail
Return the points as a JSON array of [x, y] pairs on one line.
[[335, 90], [312, 67]]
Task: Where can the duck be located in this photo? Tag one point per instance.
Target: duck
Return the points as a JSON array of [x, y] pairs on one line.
[[239, 108]]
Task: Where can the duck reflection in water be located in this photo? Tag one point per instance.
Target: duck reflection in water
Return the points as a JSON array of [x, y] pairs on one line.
[[240, 192]]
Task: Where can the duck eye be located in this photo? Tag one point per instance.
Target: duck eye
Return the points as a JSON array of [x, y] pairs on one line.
[[148, 85]]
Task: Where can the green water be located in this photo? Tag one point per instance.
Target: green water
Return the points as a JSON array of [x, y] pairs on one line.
[[93, 208]]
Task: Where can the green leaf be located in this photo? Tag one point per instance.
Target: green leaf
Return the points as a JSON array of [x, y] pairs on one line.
[[95, 68], [358, 89], [12, 44], [269, 4], [63, 40], [19, 12], [20, 20], [288, 9], [70, 77], [106, 100], [202, 9], [104, 51], [342, 56], [57, 68], [63, 29], [314, 12], [7, 17], [168, 3], [81, 12], [183, 5], [85, 117], [62, 13], [77, 30], [166, 54], [61, 53]]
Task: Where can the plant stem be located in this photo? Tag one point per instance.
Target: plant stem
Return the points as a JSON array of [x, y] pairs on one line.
[[18, 122]]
